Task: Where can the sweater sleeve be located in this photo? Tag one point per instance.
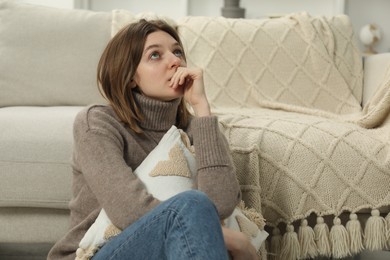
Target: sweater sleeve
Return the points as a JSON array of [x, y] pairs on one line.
[[99, 155], [216, 172]]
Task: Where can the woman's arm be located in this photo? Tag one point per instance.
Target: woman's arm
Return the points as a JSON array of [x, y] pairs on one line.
[[216, 172]]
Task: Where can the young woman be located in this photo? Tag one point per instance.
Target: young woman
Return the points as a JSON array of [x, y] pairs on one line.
[[143, 75]]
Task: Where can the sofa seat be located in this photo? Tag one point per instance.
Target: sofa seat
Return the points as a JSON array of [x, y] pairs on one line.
[[35, 169]]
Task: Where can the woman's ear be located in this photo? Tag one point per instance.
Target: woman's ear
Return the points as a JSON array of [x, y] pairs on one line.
[[133, 84]]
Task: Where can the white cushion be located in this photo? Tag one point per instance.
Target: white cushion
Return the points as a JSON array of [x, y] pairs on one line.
[[49, 56]]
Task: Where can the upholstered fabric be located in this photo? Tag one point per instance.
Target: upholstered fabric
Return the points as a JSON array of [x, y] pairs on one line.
[[49, 56], [375, 70], [32, 225], [297, 60], [35, 155], [121, 18]]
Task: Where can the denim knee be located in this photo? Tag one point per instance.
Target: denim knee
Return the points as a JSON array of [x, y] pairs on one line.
[[195, 199], [194, 195]]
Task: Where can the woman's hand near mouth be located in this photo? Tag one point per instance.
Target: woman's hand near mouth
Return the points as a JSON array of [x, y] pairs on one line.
[[191, 79]]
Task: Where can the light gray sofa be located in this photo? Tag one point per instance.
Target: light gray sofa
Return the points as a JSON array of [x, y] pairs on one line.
[[48, 60], [48, 64]]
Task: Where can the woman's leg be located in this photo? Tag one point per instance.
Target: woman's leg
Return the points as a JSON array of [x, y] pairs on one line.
[[186, 226]]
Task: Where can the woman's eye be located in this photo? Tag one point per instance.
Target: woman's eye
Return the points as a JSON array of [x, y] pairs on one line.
[[178, 53], [154, 56]]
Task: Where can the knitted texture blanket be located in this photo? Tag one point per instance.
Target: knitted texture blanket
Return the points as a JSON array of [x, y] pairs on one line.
[[288, 92], [298, 59]]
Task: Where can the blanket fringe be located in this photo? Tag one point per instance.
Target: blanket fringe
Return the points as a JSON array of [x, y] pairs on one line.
[[388, 231], [355, 234], [339, 241], [276, 244], [290, 245], [306, 240], [321, 231], [375, 232]]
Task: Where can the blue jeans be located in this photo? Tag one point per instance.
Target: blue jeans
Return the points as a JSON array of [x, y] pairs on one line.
[[184, 227]]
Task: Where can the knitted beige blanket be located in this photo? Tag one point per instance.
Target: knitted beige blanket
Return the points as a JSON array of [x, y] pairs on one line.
[[291, 165], [288, 92]]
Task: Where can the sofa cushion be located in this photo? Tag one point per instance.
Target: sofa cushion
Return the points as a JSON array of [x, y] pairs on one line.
[[35, 156], [298, 59], [32, 226], [49, 56]]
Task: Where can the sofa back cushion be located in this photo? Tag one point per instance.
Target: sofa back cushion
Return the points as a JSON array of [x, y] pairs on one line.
[[298, 60], [49, 56]]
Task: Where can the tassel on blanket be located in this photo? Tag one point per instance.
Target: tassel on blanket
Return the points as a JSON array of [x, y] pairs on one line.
[[306, 240], [388, 231], [375, 232], [290, 244], [262, 253], [355, 234], [339, 240], [276, 244], [321, 232]]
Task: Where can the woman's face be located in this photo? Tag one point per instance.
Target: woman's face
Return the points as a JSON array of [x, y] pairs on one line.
[[161, 57]]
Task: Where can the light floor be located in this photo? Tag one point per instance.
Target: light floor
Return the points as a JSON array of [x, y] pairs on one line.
[[39, 252]]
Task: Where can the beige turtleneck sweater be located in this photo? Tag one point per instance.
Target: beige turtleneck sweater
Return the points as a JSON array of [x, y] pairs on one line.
[[105, 152]]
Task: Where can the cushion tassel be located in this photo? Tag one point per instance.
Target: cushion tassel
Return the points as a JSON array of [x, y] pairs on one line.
[[290, 244], [321, 232], [252, 215], [85, 254], [276, 243], [111, 231], [355, 232], [375, 232], [306, 240], [339, 240]]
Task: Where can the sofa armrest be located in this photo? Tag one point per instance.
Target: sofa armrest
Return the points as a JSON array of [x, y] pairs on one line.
[[375, 70]]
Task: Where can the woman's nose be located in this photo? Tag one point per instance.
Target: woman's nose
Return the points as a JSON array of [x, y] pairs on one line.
[[175, 61]]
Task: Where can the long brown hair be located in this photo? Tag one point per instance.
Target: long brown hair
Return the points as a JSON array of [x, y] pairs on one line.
[[118, 65]]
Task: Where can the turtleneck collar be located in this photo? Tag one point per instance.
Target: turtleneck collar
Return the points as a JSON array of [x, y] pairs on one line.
[[159, 115]]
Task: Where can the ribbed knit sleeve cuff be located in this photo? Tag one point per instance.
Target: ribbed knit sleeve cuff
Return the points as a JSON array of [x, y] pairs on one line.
[[210, 147]]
